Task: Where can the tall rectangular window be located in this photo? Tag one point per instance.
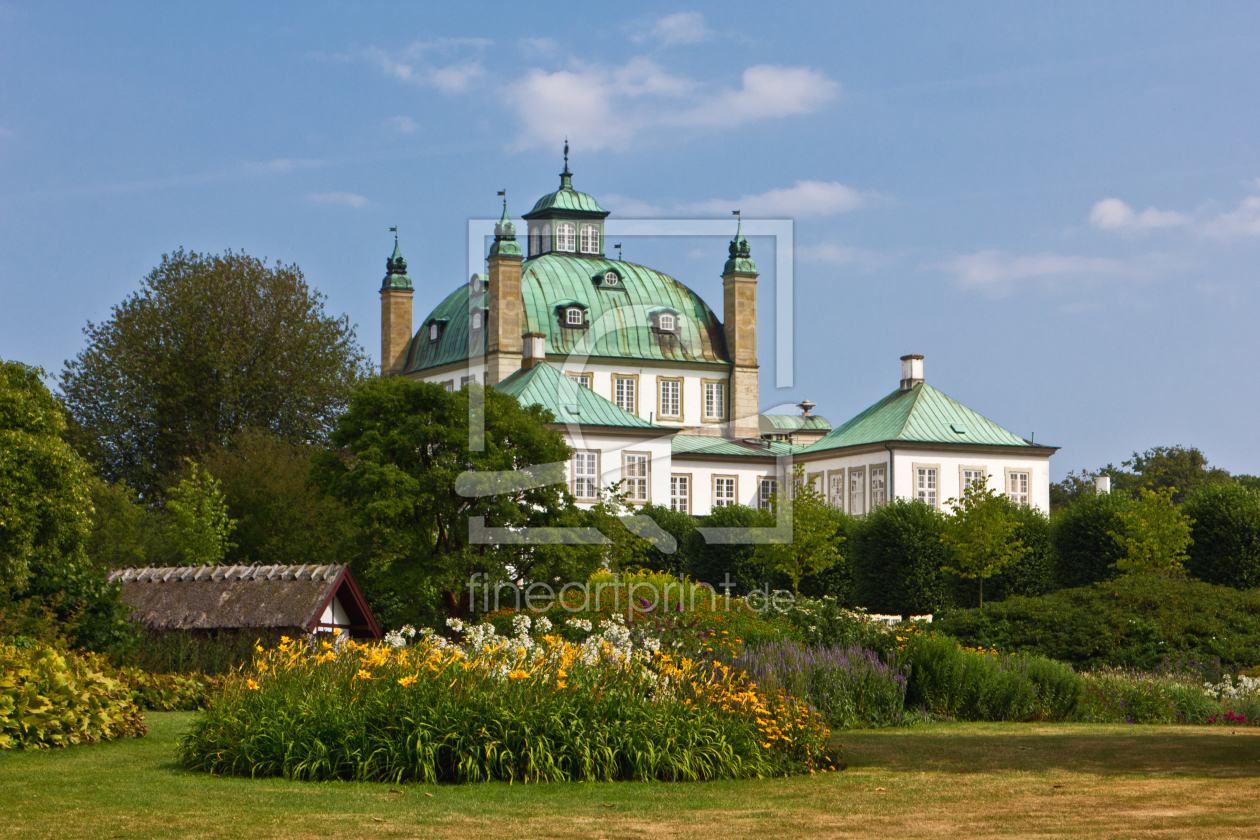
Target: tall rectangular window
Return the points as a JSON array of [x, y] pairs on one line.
[[1017, 484], [714, 400], [974, 475], [590, 239], [857, 492], [583, 379], [670, 398], [879, 487], [626, 393], [566, 237], [925, 485], [680, 493], [634, 468], [464, 380], [723, 490], [585, 477], [765, 492], [835, 489]]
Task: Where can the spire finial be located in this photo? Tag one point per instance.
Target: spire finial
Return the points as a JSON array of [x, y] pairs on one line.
[[396, 267], [566, 177], [566, 156]]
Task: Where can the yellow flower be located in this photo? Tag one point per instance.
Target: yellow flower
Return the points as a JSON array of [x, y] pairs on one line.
[[407, 681], [518, 674], [253, 686], [364, 675], [561, 684], [561, 674]]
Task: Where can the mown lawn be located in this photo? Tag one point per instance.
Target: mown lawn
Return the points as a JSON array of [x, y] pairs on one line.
[[956, 780]]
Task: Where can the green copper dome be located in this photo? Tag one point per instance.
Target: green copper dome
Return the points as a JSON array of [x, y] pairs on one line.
[[741, 261], [396, 270], [566, 199], [505, 237]]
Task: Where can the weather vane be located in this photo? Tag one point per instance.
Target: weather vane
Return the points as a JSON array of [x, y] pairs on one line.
[[618, 247]]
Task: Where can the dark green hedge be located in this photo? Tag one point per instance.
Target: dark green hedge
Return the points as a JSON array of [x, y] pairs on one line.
[[1083, 548], [1226, 533], [1139, 622], [896, 559]]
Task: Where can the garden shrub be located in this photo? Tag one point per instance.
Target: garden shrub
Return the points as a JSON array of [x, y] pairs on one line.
[[1122, 695], [199, 652], [897, 555], [848, 686], [713, 563], [823, 622], [1031, 574], [50, 698], [1226, 532], [1136, 622], [512, 709], [948, 681], [165, 692], [1081, 535]]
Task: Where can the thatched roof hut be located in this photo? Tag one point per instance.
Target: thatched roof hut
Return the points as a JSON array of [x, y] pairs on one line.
[[307, 599]]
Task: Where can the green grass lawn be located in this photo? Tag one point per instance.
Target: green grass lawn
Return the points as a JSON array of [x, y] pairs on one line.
[[949, 780]]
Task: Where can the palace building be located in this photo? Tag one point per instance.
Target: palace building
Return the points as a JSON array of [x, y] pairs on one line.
[[649, 387]]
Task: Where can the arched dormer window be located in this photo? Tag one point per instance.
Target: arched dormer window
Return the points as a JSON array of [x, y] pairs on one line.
[[434, 332], [476, 320], [535, 243], [590, 239], [667, 322], [573, 317], [546, 240], [566, 237]]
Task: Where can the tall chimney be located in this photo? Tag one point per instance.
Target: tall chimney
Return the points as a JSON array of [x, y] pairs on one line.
[[1102, 484], [911, 371], [534, 345]]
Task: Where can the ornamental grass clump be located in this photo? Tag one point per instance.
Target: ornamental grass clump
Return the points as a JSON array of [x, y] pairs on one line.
[[848, 686], [494, 707]]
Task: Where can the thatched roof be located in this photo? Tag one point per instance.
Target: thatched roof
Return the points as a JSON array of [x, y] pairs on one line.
[[230, 597]]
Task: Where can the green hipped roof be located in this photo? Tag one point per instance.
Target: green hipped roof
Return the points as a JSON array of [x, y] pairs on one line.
[[620, 317], [921, 414], [568, 401], [793, 423], [710, 445]]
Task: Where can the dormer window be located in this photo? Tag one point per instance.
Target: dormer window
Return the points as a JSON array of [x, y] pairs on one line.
[[667, 322], [573, 317], [476, 320], [476, 283], [590, 239], [566, 237], [435, 332], [611, 278]]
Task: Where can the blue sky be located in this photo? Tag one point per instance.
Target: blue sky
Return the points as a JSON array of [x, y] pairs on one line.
[[1057, 204]]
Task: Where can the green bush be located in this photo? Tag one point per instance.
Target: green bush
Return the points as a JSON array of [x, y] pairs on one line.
[[947, 681], [1032, 574], [1135, 622], [823, 622], [54, 699], [1084, 549], [897, 555], [165, 692], [1114, 695], [199, 653], [1226, 532], [711, 563]]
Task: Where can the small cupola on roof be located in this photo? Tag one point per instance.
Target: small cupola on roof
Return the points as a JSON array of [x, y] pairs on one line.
[[396, 269], [505, 234], [566, 221]]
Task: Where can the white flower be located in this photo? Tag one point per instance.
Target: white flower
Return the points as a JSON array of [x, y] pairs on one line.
[[455, 624], [542, 625]]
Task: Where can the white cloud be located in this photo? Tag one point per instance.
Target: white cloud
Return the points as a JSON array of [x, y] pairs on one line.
[[994, 269], [1245, 221], [538, 46], [1114, 214], [403, 125], [680, 28], [416, 64], [602, 107], [345, 199], [803, 200]]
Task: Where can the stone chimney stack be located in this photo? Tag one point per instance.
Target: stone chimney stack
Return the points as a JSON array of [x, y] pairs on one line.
[[396, 294], [911, 371], [739, 286], [535, 349]]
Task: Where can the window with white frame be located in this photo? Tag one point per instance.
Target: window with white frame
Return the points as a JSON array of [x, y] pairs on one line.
[[573, 316], [878, 486], [535, 243], [835, 490], [546, 239], [765, 492], [714, 400], [590, 239], [625, 393], [1017, 487], [449, 384], [972, 476], [670, 397], [476, 320], [634, 468], [857, 492], [925, 485], [585, 475], [666, 322], [464, 380], [434, 332], [611, 278], [680, 493], [723, 490], [583, 379], [565, 237]]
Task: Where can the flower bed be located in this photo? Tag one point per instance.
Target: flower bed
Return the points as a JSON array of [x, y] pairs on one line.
[[54, 699], [516, 708]]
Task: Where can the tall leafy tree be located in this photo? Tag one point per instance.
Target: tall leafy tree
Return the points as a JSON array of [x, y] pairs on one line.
[[396, 456], [1155, 536], [210, 345], [816, 534], [197, 516], [981, 534], [1180, 469]]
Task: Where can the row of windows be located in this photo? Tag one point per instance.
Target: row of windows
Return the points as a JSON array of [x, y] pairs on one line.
[[635, 470], [927, 483], [567, 239], [669, 390], [575, 316], [463, 380]]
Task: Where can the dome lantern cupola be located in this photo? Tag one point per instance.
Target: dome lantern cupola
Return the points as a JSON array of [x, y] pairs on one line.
[[566, 221], [396, 269], [505, 235], [740, 254]]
